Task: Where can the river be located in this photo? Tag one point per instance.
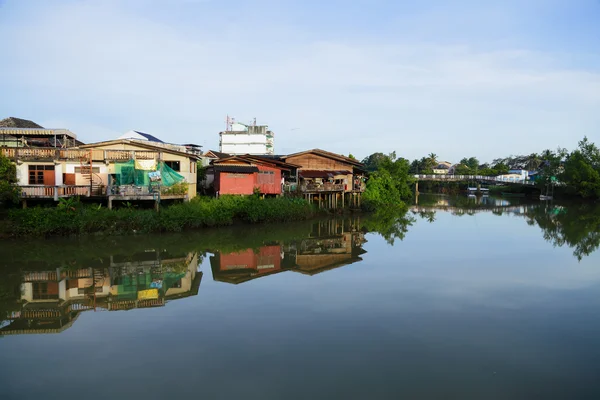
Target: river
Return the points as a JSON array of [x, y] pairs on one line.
[[462, 298]]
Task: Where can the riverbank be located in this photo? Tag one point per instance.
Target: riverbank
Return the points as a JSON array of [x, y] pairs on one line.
[[81, 219]]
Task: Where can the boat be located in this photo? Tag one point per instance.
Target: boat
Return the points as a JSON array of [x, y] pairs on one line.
[[543, 197], [509, 194]]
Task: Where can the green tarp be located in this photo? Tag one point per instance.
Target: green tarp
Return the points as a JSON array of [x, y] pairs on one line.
[[127, 174]]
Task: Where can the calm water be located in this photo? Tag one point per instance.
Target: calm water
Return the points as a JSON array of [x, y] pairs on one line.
[[459, 298]]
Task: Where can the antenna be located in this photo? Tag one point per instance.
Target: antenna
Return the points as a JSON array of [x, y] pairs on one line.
[[254, 121]]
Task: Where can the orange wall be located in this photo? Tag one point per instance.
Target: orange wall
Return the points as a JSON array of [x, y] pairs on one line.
[[275, 186], [235, 183], [248, 259]]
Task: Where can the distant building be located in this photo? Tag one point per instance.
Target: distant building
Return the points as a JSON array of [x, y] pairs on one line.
[[17, 132], [140, 136], [241, 139], [442, 168]]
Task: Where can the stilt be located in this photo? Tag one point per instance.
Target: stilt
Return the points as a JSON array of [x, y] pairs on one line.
[[109, 203], [24, 203], [417, 187]]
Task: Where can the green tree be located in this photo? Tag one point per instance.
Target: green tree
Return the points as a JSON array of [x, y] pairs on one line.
[[582, 170], [374, 160], [389, 185], [9, 192], [471, 163], [551, 167]]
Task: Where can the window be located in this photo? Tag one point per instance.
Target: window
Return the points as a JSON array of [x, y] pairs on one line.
[[45, 290], [174, 165], [36, 173], [95, 170]]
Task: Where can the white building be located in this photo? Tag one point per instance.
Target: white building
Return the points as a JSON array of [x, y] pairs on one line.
[[246, 139]]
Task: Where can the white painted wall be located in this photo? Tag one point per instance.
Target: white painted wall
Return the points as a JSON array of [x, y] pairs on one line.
[[58, 175], [27, 291], [244, 148], [242, 138], [23, 174]]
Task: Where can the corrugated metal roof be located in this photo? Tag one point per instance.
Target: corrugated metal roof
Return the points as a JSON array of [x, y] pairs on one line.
[[149, 137], [236, 168]]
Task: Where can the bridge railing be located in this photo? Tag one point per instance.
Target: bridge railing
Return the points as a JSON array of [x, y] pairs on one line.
[[499, 179]]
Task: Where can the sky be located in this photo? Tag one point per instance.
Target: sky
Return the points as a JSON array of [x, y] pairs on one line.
[[458, 79]]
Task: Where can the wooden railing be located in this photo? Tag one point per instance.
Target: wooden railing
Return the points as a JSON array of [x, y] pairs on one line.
[[54, 191], [126, 155], [77, 273], [79, 154], [326, 187], [73, 154], [39, 276], [9, 153]]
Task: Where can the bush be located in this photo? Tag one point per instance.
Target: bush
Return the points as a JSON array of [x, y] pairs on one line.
[[75, 218]]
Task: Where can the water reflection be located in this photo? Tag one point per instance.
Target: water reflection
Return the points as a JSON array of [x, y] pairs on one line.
[[331, 244], [50, 300], [576, 225], [44, 290]]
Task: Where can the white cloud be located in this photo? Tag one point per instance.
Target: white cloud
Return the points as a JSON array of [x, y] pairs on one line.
[[104, 69]]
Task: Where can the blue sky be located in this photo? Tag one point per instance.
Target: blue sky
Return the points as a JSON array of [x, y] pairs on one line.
[[460, 78]]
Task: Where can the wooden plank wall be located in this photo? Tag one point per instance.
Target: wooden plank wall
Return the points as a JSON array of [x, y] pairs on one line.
[[316, 162]]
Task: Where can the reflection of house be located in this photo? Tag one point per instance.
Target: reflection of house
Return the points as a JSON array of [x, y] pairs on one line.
[[51, 300], [328, 178], [242, 266], [332, 244]]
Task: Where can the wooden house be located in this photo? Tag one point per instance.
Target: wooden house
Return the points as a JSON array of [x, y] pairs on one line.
[[243, 175], [327, 178], [90, 170]]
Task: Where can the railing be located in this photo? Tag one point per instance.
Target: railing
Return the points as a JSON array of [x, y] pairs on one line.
[[73, 154], [77, 273], [126, 155], [39, 276], [26, 153], [54, 191], [500, 179], [132, 190], [31, 154], [326, 187], [9, 153]]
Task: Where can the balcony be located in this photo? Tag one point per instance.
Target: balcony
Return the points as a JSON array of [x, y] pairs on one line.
[[54, 192], [39, 276], [51, 154]]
